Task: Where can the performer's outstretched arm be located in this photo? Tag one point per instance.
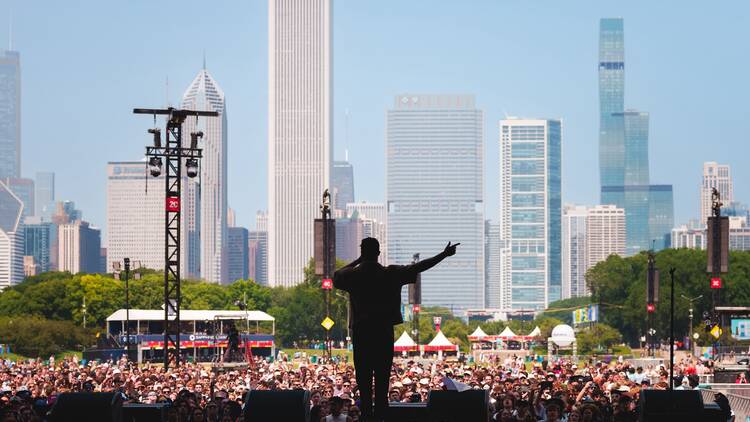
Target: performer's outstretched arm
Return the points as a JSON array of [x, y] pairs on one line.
[[428, 263]]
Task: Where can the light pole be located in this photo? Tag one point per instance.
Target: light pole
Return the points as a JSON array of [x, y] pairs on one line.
[[690, 316], [126, 270]]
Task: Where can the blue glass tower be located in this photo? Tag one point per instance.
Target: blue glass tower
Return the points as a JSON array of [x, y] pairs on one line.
[[623, 152]]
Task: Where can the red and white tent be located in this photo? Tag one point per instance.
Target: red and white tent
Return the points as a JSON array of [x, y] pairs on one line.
[[507, 334], [479, 335], [440, 343], [405, 344]]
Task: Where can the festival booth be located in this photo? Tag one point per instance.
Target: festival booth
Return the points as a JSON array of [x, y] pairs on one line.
[[405, 345], [204, 333], [480, 340], [440, 344]]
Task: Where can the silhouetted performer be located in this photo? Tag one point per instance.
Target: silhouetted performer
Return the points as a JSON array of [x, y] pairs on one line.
[[233, 342], [375, 298]]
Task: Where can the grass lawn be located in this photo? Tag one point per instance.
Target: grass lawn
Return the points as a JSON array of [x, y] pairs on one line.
[[317, 352]]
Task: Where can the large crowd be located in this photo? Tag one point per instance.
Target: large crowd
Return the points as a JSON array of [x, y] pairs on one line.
[[520, 389]]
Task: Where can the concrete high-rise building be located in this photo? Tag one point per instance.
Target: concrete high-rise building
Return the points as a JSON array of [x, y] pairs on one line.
[[231, 217], [38, 240], [261, 221], [11, 238], [691, 235], [530, 212], [300, 131], [205, 94], [10, 114], [605, 233], [374, 223], [135, 219], [30, 267], [258, 256], [715, 176], [574, 251], [44, 195], [66, 212], [349, 233], [343, 186], [435, 193], [24, 190], [237, 254], [623, 152], [79, 248], [492, 271]]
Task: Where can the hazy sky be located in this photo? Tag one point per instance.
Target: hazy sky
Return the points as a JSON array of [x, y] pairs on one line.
[[86, 64]]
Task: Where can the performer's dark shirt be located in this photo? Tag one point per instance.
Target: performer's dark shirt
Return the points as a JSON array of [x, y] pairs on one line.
[[375, 291]]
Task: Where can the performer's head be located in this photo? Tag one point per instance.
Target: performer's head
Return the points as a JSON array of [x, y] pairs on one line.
[[370, 249]]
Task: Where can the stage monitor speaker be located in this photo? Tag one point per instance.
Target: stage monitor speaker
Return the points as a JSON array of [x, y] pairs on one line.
[[677, 405], [286, 405], [87, 407], [136, 412], [452, 406]]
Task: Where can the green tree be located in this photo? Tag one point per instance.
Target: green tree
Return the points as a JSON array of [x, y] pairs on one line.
[[600, 337]]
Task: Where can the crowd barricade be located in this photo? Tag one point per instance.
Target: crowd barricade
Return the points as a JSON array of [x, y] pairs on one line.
[[740, 405]]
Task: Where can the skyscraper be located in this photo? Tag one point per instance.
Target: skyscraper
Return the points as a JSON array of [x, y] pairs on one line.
[[24, 190], [574, 251], [492, 270], [623, 152], [135, 218], [10, 114], [343, 186], [435, 193], [38, 240], [300, 131], [605, 235], [11, 238], [237, 258], [530, 212], [374, 224], [205, 94], [79, 248], [349, 233], [715, 176], [44, 195], [257, 243]]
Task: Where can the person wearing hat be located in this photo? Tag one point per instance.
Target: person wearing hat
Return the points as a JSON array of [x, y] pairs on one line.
[[553, 409], [375, 300]]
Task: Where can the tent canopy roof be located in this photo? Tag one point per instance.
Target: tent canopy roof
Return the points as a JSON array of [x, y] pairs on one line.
[[189, 315], [405, 340]]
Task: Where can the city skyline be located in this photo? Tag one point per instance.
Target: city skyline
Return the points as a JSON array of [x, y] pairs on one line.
[[366, 128]]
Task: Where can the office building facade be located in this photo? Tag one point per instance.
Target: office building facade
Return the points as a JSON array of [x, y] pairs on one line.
[[435, 193], [205, 94], [11, 238], [237, 254], [530, 213], [605, 235], [38, 240], [715, 176], [44, 195], [300, 131], [492, 266], [79, 248], [574, 264], [343, 187], [10, 114]]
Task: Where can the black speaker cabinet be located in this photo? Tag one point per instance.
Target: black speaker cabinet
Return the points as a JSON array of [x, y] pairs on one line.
[[677, 405], [279, 405], [452, 406], [136, 412], [87, 407]]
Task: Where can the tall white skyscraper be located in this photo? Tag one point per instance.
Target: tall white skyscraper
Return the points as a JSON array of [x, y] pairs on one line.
[[205, 94], [11, 238], [530, 213], [574, 250], [435, 193], [79, 248], [715, 176], [10, 114], [300, 131], [589, 235], [605, 233]]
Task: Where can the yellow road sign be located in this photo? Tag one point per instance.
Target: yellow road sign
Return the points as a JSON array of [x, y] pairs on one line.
[[716, 331], [327, 323]]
